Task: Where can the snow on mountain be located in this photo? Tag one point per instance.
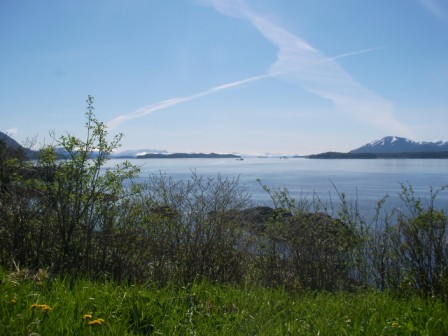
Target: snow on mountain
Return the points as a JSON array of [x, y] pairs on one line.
[[139, 152], [393, 144]]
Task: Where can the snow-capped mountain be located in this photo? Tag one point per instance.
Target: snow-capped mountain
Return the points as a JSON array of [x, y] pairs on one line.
[[138, 152], [393, 144]]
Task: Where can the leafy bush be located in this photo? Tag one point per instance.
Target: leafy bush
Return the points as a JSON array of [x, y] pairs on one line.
[[55, 210]]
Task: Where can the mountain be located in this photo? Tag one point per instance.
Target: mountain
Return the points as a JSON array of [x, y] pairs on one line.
[[8, 141], [138, 152], [189, 156], [393, 144], [13, 144]]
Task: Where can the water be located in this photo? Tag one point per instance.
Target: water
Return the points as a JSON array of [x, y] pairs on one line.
[[363, 180]]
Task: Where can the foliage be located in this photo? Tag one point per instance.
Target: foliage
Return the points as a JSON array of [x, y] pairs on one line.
[[56, 210], [420, 241], [190, 227], [65, 213], [304, 248]]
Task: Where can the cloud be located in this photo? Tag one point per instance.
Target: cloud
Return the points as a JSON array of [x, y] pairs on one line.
[[437, 8], [175, 101], [300, 63], [141, 112], [11, 131]]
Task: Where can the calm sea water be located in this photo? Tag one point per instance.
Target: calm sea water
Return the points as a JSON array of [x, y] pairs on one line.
[[364, 180]]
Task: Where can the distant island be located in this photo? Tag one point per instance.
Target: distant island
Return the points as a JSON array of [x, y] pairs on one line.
[[188, 156], [389, 147], [405, 155]]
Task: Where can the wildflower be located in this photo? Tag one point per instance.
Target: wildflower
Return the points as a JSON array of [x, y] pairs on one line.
[[87, 317], [99, 321], [13, 301], [395, 324], [45, 308]]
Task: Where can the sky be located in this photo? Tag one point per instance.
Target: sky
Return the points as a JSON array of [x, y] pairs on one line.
[[244, 76]]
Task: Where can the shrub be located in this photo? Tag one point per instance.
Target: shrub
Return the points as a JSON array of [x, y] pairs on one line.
[[299, 248], [420, 242], [55, 210], [190, 227]]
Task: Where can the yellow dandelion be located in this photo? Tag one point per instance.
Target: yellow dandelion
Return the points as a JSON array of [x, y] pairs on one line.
[[87, 316], [96, 322], [45, 308], [395, 324], [13, 301]]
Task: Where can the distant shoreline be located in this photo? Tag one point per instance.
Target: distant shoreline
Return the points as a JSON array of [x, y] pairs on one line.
[[188, 156], [406, 155]]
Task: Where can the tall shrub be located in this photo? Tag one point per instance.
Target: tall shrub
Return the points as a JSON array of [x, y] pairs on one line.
[[421, 243], [57, 208]]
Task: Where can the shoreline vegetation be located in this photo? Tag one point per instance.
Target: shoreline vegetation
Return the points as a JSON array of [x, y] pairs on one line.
[[85, 250]]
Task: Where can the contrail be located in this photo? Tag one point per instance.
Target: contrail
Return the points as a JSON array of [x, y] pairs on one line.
[[300, 63], [141, 112]]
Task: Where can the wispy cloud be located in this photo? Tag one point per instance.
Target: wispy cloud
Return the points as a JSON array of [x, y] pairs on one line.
[[300, 63], [439, 8], [175, 101], [141, 112]]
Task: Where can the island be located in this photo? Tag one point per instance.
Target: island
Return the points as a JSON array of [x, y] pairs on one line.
[[188, 156]]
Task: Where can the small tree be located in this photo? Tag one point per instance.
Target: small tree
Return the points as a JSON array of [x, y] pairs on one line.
[[55, 211], [78, 193]]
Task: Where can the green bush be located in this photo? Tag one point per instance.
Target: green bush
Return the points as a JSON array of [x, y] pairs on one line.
[[56, 209]]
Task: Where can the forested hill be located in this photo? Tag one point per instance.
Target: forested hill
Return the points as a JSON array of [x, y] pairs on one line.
[[10, 143], [406, 155]]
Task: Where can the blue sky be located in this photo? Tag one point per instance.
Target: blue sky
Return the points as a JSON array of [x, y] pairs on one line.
[[248, 76]]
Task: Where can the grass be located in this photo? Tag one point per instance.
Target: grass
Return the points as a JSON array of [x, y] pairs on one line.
[[66, 306]]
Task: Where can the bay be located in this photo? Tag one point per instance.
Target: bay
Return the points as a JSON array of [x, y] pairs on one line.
[[365, 181]]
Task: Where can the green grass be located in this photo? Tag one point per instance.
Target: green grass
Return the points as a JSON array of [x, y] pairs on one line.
[[209, 309]]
